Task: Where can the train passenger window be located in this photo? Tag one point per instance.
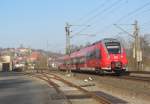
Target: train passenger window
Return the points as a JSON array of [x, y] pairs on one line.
[[74, 60], [77, 60], [93, 54], [97, 53], [71, 61], [82, 60], [65, 62], [88, 55]]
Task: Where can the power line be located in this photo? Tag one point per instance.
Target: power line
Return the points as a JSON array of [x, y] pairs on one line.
[[127, 15], [146, 28], [140, 13], [134, 11], [146, 23], [117, 26], [95, 22], [99, 13], [93, 11]]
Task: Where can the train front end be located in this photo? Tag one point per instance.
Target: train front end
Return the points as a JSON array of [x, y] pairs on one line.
[[115, 54]]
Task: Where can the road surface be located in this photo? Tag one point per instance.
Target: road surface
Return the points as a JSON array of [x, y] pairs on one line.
[[16, 88]]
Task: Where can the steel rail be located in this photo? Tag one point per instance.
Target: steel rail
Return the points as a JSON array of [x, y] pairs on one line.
[[100, 99], [56, 87]]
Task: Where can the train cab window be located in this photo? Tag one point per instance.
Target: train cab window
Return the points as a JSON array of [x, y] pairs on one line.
[[115, 50], [113, 47]]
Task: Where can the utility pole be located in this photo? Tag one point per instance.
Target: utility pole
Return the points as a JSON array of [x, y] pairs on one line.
[[137, 52], [137, 49], [68, 38], [47, 55], [68, 50], [67, 29]]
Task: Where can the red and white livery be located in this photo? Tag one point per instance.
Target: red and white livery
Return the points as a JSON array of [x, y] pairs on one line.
[[105, 55]]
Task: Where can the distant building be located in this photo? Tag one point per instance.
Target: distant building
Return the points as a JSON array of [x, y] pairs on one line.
[[5, 63], [34, 56]]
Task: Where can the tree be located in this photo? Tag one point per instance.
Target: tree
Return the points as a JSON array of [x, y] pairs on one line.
[[145, 45], [41, 63]]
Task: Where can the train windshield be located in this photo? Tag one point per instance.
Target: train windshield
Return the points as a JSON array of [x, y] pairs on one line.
[[113, 47]]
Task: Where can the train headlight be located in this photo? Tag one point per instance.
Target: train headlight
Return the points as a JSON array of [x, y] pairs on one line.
[[121, 56]]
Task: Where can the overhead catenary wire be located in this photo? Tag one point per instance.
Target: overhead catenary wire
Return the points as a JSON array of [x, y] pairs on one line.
[[134, 11], [140, 13], [94, 24], [126, 16], [99, 13], [93, 11], [146, 22], [146, 28]]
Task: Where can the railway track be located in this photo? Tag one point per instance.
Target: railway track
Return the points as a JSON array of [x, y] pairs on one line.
[[100, 97], [139, 72], [136, 78], [126, 76], [51, 84]]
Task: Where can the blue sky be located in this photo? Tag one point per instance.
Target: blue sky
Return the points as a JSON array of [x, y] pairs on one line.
[[33, 23]]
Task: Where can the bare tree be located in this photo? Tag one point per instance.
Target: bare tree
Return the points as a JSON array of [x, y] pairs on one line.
[[145, 44], [41, 63]]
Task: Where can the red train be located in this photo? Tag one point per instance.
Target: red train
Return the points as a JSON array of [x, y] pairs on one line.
[[104, 55]]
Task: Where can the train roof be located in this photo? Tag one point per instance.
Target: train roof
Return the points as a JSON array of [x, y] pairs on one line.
[[105, 40], [109, 40], [80, 52]]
